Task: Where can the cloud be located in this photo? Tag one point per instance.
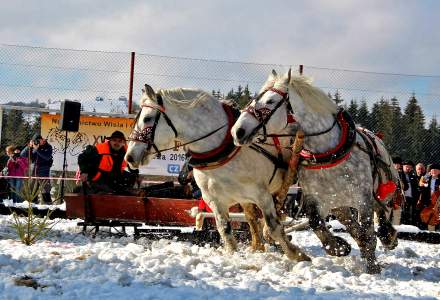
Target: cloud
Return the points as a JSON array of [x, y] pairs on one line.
[[382, 36]]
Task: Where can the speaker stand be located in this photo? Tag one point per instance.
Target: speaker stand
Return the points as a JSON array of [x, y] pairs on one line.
[[64, 168]]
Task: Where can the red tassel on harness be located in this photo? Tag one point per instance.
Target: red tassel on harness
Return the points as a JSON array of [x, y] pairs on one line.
[[385, 189], [290, 119]]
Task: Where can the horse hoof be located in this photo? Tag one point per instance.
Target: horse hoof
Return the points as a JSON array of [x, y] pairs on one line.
[[300, 256], [258, 248], [373, 269], [304, 257], [388, 237], [341, 248]]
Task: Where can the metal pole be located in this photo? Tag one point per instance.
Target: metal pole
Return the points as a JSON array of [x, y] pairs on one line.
[[64, 168], [130, 89]]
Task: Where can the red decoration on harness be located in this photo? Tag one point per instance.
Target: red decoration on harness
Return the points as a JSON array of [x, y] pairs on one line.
[[379, 134], [226, 141], [290, 119], [203, 206], [279, 92], [385, 189]]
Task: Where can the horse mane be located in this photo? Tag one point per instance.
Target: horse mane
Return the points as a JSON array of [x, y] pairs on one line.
[[185, 98], [229, 102], [314, 98]]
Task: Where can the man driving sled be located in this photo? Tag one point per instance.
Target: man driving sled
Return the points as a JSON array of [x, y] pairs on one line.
[[103, 166]]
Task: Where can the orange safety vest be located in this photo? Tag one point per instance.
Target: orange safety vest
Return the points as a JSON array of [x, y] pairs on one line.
[[106, 163]]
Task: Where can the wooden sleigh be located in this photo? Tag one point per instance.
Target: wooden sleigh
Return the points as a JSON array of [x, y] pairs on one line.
[[151, 217]]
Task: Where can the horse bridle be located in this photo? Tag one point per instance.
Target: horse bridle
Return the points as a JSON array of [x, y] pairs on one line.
[[147, 134], [264, 114]]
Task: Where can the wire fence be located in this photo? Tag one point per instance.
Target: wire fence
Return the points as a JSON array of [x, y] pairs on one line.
[[44, 77]]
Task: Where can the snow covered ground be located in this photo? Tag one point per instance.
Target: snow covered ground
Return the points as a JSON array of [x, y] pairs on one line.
[[69, 265]]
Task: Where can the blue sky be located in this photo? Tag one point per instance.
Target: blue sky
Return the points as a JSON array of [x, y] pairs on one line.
[[374, 36]]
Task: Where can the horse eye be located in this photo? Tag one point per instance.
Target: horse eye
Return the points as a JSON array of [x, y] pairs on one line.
[[147, 119], [270, 102]]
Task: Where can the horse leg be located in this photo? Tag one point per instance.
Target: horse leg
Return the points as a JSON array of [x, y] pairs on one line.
[[363, 233], [386, 233], [251, 215], [275, 230], [224, 227], [333, 245]]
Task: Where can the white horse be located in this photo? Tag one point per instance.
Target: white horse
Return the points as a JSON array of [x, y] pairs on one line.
[[226, 174], [340, 170]]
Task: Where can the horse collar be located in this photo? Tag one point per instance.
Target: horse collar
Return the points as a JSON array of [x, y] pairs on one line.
[[336, 155], [223, 153]]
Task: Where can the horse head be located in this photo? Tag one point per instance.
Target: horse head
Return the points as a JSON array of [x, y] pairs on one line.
[[153, 130], [281, 97], [269, 112]]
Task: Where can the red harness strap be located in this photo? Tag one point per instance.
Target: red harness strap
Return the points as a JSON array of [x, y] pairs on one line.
[[226, 146], [226, 141], [331, 156], [277, 144]]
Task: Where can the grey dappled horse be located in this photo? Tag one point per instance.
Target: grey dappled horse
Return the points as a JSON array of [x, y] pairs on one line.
[[341, 166], [226, 174]]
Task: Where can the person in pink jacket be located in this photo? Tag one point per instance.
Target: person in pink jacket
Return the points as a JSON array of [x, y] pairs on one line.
[[17, 166]]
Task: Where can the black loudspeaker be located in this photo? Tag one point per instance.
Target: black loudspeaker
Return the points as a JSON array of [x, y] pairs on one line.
[[70, 112]]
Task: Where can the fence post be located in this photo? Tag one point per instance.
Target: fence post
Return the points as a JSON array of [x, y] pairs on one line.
[[130, 89], [301, 69]]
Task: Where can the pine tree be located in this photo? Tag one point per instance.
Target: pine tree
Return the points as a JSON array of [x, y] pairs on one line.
[[363, 115], [397, 128], [381, 120], [431, 147], [14, 129], [414, 128], [353, 110], [337, 98]]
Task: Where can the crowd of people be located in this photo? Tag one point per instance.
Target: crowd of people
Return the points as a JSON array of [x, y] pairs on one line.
[[37, 155], [417, 195], [101, 167]]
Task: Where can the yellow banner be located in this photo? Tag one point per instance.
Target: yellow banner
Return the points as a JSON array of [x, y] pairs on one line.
[[94, 130]]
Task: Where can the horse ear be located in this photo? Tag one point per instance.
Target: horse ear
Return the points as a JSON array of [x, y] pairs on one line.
[[149, 92], [269, 81], [272, 76]]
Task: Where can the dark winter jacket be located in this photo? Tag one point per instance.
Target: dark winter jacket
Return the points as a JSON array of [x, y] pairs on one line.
[[42, 158]]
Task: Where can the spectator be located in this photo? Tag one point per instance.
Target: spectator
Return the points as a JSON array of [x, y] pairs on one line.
[[17, 166], [39, 151], [410, 214], [401, 187], [102, 167], [420, 170], [429, 184]]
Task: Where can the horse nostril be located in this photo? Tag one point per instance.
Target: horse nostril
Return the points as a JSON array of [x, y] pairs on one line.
[[240, 133], [130, 159]]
